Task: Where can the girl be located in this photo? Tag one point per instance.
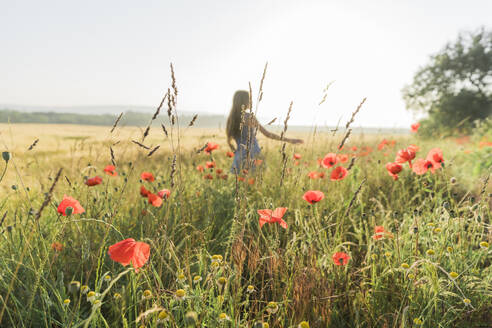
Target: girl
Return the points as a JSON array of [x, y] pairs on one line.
[[242, 127]]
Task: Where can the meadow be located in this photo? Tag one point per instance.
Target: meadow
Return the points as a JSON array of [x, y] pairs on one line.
[[379, 248]]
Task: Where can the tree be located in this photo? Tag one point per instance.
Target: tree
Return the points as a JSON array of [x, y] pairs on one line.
[[454, 88]]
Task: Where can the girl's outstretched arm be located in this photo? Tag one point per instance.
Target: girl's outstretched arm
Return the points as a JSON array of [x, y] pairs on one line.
[[254, 122]]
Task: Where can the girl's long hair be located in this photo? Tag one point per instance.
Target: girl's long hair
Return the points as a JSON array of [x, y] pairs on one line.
[[233, 128]]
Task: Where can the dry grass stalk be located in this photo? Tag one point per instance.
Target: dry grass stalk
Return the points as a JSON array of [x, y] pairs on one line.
[[355, 113], [355, 196], [156, 113], [153, 151], [192, 122], [68, 181], [48, 196], [284, 154], [141, 145], [33, 144], [164, 129], [352, 162], [112, 156], [173, 170], [116, 122], [272, 121], [201, 149], [345, 138]]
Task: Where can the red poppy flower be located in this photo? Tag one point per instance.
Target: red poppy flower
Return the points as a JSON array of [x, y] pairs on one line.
[[68, 201], [211, 146], [339, 173], [147, 176], [394, 169], [199, 168], [340, 258], [382, 144], [321, 175], [110, 170], [208, 176], [144, 192], [57, 247], [313, 196], [353, 148], [275, 216], [240, 178], [93, 181], [230, 154], [296, 163], [210, 164], [415, 127], [154, 199], [406, 155], [129, 251], [342, 158], [251, 181], [421, 166], [164, 193], [313, 175], [379, 233], [297, 156], [435, 156], [484, 143], [329, 160], [219, 171], [224, 176]]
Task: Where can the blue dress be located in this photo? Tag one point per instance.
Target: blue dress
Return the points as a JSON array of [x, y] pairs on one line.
[[241, 159]]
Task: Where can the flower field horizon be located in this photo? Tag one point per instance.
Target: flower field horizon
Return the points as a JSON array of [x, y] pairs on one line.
[[106, 227]]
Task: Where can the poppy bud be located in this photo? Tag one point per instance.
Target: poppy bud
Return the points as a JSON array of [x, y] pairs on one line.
[[14, 187], [9, 228], [74, 287], [6, 156], [453, 180], [415, 229], [472, 199], [69, 210]]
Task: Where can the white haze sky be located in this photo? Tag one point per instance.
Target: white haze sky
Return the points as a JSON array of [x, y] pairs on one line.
[[71, 53]]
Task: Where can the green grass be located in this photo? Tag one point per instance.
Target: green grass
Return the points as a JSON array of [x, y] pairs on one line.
[[291, 267]]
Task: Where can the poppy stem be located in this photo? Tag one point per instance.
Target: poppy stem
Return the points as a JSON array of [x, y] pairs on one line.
[[4, 171]]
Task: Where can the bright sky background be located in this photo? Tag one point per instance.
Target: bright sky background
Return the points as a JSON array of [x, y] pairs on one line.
[[65, 53]]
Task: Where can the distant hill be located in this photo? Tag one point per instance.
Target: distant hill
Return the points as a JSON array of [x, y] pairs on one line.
[[130, 118], [140, 116]]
